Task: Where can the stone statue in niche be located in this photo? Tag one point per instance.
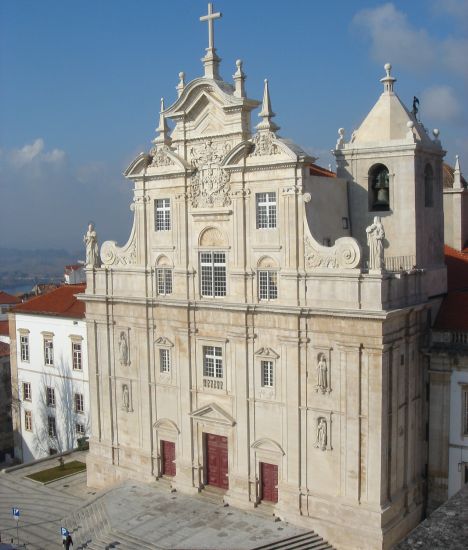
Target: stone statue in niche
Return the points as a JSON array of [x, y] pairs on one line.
[[125, 398], [322, 374], [321, 442], [92, 248], [375, 237], [123, 349]]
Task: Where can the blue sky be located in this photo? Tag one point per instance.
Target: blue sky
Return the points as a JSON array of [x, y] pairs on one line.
[[81, 82]]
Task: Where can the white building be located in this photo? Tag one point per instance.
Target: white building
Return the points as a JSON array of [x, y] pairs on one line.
[[49, 373], [74, 274], [230, 348]]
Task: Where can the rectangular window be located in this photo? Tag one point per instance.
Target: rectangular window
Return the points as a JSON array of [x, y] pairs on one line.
[[51, 428], [213, 274], [267, 374], [27, 396], [80, 429], [77, 356], [162, 212], [48, 351], [79, 403], [50, 396], [267, 285], [212, 361], [164, 280], [465, 410], [266, 210], [28, 421], [24, 346], [164, 360]]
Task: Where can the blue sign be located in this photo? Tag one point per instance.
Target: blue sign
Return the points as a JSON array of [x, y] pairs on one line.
[[15, 512], [64, 532]]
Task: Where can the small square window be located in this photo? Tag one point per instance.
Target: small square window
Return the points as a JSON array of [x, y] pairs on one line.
[[80, 429], [48, 351], [50, 397], [267, 374], [28, 421], [212, 361], [164, 360], [27, 395], [24, 347], [77, 356], [79, 403], [51, 427]]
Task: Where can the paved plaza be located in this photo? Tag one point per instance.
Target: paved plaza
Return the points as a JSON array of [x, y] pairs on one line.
[[129, 516]]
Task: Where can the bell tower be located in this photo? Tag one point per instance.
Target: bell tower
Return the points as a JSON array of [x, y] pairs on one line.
[[394, 170]]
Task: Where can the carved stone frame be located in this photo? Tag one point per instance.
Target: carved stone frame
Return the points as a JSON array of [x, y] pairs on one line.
[[164, 377], [265, 392], [327, 352]]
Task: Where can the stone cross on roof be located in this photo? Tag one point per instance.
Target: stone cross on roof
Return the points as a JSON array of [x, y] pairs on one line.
[[210, 17], [211, 60]]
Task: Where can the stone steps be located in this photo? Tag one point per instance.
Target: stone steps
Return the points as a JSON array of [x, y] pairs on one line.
[[306, 541]]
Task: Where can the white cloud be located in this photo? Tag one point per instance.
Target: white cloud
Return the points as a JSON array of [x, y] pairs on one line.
[[394, 39], [439, 103], [454, 8], [34, 152], [455, 55]]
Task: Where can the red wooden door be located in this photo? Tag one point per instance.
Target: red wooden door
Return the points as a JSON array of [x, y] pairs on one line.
[[216, 460], [168, 457], [269, 482]]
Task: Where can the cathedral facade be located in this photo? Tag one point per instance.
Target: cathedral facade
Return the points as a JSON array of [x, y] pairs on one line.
[[259, 334]]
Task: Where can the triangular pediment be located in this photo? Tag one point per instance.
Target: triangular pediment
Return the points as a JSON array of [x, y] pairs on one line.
[[267, 352], [163, 342], [214, 414]]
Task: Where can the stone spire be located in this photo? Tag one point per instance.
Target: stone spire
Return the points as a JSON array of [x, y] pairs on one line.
[[267, 112], [211, 60], [457, 181], [163, 128], [388, 80]]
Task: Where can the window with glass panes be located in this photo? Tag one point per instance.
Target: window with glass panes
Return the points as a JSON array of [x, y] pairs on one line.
[[266, 210], [77, 357], [267, 374], [80, 429], [79, 403], [267, 285], [27, 396], [51, 427], [213, 274], [48, 351], [50, 396], [164, 360], [24, 346], [212, 361], [164, 280], [162, 212], [28, 421]]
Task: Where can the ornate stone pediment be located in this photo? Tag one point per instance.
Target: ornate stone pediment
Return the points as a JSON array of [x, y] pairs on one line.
[[213, 414], [210, 182], [264, 144], [160, 156], [162, 341], [267, 352]]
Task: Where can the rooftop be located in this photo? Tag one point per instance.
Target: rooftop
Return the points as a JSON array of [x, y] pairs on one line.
[[60, 302], [6, 298]]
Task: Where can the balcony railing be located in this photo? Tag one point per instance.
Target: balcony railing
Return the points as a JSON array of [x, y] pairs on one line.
[[450, 338], [213, 383]]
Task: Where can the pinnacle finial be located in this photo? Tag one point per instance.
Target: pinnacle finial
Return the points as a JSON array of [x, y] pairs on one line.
[[267, 112], [457, 180], [163, 128], [181, 85], [388, 80], [239, 80]]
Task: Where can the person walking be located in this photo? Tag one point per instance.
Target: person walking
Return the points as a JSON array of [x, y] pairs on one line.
[[67, 542]]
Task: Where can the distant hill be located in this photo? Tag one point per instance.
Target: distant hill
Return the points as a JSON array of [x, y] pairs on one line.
[[24, 267]]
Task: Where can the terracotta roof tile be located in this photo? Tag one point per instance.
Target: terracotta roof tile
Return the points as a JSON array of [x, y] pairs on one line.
[[316, 170], [448, 176], [4, 330], [4, 349], [8, 298], [61, 302]]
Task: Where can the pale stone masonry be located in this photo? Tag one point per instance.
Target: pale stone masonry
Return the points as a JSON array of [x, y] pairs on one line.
[[239, 340]]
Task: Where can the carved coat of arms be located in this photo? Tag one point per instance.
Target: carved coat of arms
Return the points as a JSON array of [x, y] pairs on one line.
[[210, 182]]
